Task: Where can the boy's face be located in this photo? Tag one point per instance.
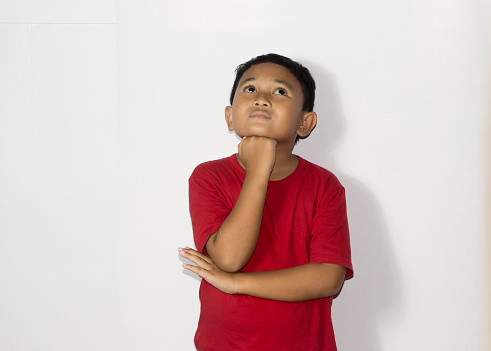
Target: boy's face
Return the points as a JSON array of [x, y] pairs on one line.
[[268, 102]]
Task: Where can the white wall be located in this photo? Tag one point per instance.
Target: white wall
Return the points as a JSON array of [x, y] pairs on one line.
[[58, 253], [402, 104], [402, 100]]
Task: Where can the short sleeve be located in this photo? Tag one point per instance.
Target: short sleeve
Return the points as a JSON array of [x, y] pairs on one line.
[[208, 206], [330, 234]]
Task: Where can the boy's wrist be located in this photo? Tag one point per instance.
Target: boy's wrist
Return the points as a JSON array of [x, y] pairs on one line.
[[239, 280], [257, 177]]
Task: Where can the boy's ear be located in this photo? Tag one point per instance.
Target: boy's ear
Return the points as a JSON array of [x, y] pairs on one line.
[[228, 117], [309, 122]]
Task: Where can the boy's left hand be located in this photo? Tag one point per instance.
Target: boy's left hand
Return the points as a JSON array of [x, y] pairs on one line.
[[209, 271]]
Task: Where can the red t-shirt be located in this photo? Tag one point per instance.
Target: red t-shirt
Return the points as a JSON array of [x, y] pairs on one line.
[[304, 221]]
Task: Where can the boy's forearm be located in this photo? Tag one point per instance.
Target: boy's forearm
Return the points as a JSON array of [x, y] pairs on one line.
[[233, 244], [307, 282]]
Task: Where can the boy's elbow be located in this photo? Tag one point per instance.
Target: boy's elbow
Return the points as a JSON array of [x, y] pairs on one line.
[[229, 264], [336, 288], [226, 261], [334, 279], [231, 267]]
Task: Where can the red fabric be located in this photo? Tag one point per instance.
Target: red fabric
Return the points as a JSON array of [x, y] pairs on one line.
[[304, 221]]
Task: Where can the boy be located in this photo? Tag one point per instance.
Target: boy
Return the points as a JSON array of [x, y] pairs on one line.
[[270, 227]]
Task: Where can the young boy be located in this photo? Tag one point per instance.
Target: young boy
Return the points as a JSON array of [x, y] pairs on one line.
[[270, 227]]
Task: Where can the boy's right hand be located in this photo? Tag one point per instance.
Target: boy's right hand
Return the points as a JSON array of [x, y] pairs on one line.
[[233, 244], [257, 154]]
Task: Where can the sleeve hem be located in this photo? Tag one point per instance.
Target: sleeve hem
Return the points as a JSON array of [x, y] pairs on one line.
[[203, 239], [336, 260]]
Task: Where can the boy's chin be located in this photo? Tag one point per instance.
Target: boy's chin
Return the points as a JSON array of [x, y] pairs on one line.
[[242, 136], [258, 136]]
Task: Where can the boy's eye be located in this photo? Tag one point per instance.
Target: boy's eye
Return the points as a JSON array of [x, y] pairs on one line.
[[280, 91], [250, 89]]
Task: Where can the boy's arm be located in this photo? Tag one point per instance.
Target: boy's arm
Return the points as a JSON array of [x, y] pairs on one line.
[[301, 283], [307, 282], [233, 244]]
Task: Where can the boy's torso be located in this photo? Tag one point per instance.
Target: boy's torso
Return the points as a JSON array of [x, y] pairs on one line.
[[285, 241]]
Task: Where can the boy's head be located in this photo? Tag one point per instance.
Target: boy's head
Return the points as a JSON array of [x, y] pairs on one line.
[[302, 91]]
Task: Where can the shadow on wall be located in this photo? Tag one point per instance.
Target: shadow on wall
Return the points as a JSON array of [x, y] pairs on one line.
[[373, 298]]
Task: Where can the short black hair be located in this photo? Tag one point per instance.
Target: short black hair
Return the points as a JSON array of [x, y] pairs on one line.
[[300, 72]]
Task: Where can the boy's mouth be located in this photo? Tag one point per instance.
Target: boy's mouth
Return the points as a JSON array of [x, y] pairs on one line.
[[260, 114]]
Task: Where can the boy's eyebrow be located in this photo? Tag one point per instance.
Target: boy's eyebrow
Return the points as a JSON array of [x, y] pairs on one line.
[[285, 83], [246, 80], [282, 82]]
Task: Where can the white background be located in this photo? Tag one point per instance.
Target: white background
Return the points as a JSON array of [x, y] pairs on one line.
[[88, 251], [58, 224]]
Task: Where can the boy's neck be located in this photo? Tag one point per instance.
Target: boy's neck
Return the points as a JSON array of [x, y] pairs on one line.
[[285, 164]]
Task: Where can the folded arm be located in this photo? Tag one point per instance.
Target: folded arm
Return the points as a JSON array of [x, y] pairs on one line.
[[300, 283]]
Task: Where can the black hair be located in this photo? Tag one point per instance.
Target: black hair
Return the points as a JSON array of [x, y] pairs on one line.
[[300, 72]]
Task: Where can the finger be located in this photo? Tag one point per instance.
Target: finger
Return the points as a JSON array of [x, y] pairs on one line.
[[188, 249], [195, 257], [200, 256], [198, 270], [196, 260], [197, 253], [192, 268]]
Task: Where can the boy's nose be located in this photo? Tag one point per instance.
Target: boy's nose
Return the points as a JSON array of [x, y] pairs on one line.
[[262, 101]]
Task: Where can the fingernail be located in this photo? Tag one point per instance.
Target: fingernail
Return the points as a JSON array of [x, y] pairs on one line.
[[187, 247]]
